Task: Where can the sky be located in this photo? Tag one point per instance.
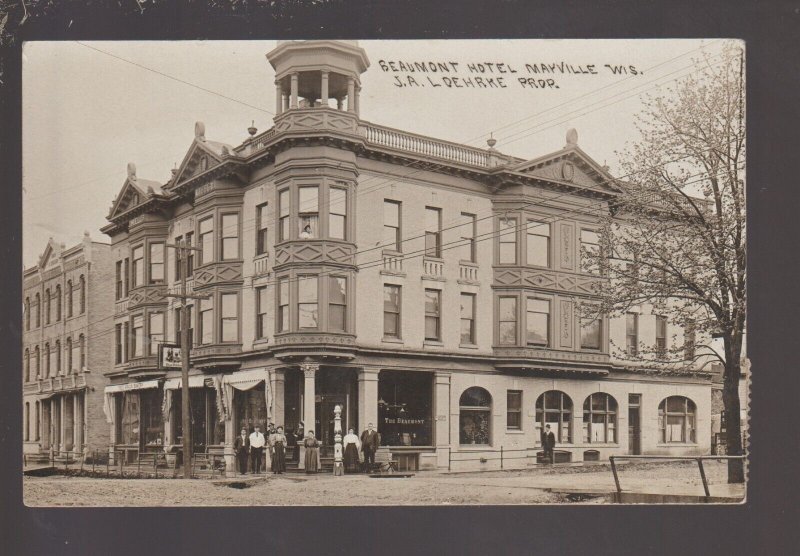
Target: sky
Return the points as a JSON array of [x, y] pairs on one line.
[[91, 108]]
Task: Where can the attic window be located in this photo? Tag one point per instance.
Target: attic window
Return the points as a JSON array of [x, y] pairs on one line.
[[203, 163], [135, 199]]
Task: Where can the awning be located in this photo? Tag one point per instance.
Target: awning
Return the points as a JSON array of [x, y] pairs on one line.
[[131, 386], [195, 381], [245, 380]]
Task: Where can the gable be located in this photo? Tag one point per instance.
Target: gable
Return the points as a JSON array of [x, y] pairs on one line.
[[570, 165], [50, 254], [129, 196], [199, 158]]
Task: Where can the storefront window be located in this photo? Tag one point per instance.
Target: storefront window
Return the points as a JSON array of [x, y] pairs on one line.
[[475, 408], [207, 429], [554, 408], [676, 419], [129, 423], [152, 417], [405, 408], [251, 408], [599, 418]]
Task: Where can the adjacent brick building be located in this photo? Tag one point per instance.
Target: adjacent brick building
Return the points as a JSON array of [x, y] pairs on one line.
[[431, 288], [67, 304]]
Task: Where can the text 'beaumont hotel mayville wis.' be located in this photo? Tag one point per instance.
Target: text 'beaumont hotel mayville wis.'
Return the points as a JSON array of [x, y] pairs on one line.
[[434, 289]]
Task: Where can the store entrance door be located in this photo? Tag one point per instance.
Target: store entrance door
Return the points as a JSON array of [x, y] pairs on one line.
[[634, 424], [325, 419]]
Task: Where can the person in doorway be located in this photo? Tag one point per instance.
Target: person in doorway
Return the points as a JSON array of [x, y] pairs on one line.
[[370, 440], [352, 447], [241, 447], [277, 443], [548, 444], [312, 453], [257, 442]]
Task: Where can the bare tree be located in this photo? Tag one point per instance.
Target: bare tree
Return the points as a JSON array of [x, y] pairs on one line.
[[677, 232]]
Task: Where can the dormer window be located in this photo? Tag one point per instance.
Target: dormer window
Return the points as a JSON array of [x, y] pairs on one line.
[[203, 163]]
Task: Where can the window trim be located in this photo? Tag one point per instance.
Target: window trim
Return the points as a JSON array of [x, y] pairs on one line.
[[517, 410]]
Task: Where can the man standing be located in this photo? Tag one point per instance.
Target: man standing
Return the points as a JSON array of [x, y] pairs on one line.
[[548, 443], [257, 442], [240, 447], [370, 440]]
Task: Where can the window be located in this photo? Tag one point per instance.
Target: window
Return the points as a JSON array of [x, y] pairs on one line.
[[283, 305], [156, 332], [514, 410], [468, 318], [676, 419], [554, 408], [308, 211], [689, 339], [468, 230], [58, 357], [475, 408], [27, 365], [126, 327], [508, 241], [27, 310], [337, 213], [187, 241], [189, 255], [47, 297], [36, 426], [38, 311], [600, 418], [69, 355], [156, 262], [27, 424], [138, 265], [591, 332], [58, 303], [261, 229], [661, 336], [307, 307], [433, 314], [538, 247], [206, 321], [118, 282], [118, 338], [283, 219], [631, 333], [391, 311], [38, 358], [261, 312], [229, 320], [126, 276], [538, 322], [46, 360], [206, 239], [230, 237], [82, 294], [590, 251], [337, 303], [391, 225], [69, 298], [507, 321], [178, 325], [82, 352], [433, 232], [137, 336]]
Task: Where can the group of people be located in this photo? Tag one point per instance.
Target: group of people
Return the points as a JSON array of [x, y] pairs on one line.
[[250, 448]]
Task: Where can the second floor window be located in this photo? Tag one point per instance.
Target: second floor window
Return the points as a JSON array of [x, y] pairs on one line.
[[391, 225], [433, 315], [262, 225], [661, 336], [337, 303], [118, 342], [307, 306], [591, 332], [117, 281], [468, 230], [507, 321], [206, 321], [156, 262], [538, 248], [538, 322], [590, 251], [391, 311], [631, 333], [261, 312], [308, 212], [468, 318], [508, 241], [156, 332], [82, 352], [229, 318], [337, 213], [137, 336], [433, 232], [189, 254], [137, 256], [206, 240], [230, 237], [283, 305], [283, 218]]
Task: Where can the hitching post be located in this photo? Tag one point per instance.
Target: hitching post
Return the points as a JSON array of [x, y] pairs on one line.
[[338, 468]]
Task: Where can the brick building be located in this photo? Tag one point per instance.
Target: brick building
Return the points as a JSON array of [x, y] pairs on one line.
[[67, 304], [431, 288]]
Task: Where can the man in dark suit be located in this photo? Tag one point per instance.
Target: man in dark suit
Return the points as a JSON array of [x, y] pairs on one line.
[[241, 447], [370, 440], [548, 443]]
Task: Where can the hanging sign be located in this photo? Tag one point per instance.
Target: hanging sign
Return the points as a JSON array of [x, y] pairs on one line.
[[169, 356]]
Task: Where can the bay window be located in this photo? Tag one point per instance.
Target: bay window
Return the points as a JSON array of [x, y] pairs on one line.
[[307, 302], [179, 325], [538, 322], [283, 211], [590, 251], [137, 258], [308, 212], [156, 332], [206, 310], [229, 320], [206, 240], [137, 336], [229, 237], [508, 241], [156, 263], [337, 304], [538, 244], [337, 213], [507, 321], [283, 305]]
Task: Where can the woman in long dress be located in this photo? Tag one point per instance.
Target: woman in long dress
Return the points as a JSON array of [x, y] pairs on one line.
[[277, 442], [312, 452], [352, 447]]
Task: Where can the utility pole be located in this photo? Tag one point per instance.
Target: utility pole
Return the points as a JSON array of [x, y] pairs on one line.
[[182, 252]]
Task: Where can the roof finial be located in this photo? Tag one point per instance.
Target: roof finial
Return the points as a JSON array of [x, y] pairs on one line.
[[572, 137], [131, 171], [491, 141], [200, 131], [252, 129]]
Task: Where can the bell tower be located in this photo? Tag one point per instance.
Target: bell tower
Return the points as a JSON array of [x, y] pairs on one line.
[[318, 74]]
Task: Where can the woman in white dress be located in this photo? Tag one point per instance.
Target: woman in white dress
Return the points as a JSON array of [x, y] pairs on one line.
[[352, 447]]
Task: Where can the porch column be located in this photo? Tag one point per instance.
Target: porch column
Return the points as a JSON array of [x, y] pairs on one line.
[[325, 89], [77, 423], [441, 415], [367, 398], [357, 102], [62, 427], [309, 396], [278, 386], [293, 98], [278, 98], [230, 431], [351, 93], [44, 424]]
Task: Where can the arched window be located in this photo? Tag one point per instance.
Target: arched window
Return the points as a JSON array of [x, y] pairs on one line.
[[83, 294], [554, 408], [47, 306], [600, 418], [38, 357], [475, 408], [82, 351], [58, 302], [69, 298], [203, 163], [38, 310], [27, 313], [27, 424], [46, 360], [27, 365], [676, 419], [36, 428], [69, 355], [58, 357]]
